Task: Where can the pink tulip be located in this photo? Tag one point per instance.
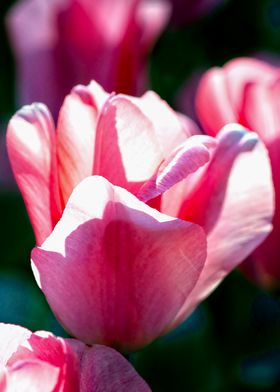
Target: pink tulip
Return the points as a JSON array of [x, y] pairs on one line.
[[247, 91], [65, 42], [115, 270], [42, 362]]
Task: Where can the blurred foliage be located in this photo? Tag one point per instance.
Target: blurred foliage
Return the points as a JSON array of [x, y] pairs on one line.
[[232, 341]]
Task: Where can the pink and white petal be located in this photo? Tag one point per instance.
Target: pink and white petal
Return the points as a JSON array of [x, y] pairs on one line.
[[127, 150], [32, 151], [213, 105], [46, 347], [235, 222], [169, 130], [241, 71], [59, 353], [32, 376], [186, 159], [262, 112], [11, 337], [104, 369], [3, 379], [114, 270], [76, 133]]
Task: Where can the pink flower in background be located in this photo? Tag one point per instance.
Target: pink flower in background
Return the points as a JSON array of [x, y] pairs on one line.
[[247, 91], [60, 43], [115, 270], [42, 362]]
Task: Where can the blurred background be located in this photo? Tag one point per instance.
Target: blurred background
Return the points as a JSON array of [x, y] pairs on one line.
[[232, 341]]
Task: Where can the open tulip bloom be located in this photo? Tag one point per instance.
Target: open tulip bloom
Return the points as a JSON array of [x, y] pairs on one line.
[[247, 91], [42, 362], [136, 221]]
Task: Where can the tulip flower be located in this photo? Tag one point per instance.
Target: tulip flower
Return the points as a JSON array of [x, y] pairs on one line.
[[246, 90], [74, 41], [120, 197], [42, 362]]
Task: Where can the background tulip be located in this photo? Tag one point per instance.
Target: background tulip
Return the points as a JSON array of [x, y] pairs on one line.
[[141, 145], [246, 90], [42, 362], [74, 41]]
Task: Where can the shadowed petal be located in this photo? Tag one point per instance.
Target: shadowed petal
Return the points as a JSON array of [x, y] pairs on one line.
[[104, 369], [222, 203], [114, 270]]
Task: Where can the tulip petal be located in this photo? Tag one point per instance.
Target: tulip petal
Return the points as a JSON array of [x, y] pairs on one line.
[[76, 135], [32, 376], [11, 337], [261, 110], [168, 126], [114, 270], [222, 203], [124, 136], [184, 160], [46, 347], [32, 152], [104, 369], [241, 71], [213, 104], [220, 93], [3, 379]]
